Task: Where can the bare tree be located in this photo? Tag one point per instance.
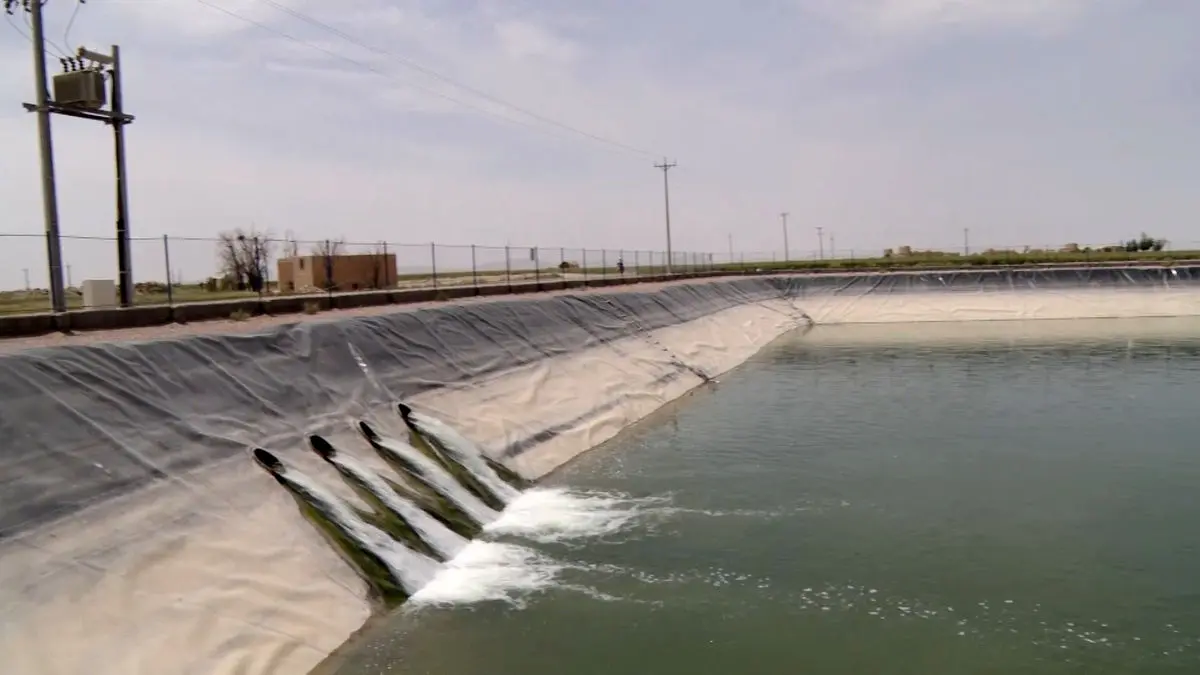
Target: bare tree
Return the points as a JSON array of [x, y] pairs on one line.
[[291, 247], [244, 256], [381, 276], [327, 250], [329, 247]]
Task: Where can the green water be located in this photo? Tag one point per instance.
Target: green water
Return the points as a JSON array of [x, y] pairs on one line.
[[965, 507]]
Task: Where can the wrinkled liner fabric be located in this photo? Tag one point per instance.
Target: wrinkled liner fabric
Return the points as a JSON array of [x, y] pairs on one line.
[[87, 423]]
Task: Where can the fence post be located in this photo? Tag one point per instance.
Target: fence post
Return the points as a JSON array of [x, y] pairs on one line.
[[433, 262], [257, 275], [387, 274], [474, 271], [507, 268], [265, 258], [637, 268], [537, 268], [329, 284], [167, 261], [583, 266]]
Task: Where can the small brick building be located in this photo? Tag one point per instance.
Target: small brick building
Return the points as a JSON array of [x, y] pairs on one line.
[[356, 272]]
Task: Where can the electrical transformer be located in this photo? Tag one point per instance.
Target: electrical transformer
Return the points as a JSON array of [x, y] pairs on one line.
[[80, 89]]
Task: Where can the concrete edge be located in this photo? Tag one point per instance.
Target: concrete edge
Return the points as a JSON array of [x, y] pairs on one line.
[[146, 316]]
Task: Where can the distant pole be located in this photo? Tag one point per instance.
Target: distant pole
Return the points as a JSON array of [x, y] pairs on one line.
[[966, 241], [26, 270], [58, 296], [731, 248], [167, 262], [821, 242], [832, 247], [474, 270], [69, 281], [667, 166], [787, 257]]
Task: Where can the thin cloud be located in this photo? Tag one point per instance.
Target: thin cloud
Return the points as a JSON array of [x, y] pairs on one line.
[[884, 122]]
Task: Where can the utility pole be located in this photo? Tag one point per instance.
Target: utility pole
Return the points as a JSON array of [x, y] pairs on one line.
[[118, 119], [26, 271], [832, 247], [787, 257], [966, 241], [667, 166], [79, 91], [731, 247], [124, 257], [821, 242], [41, 105]]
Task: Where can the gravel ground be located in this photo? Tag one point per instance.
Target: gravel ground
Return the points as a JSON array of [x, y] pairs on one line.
[[261, 323]]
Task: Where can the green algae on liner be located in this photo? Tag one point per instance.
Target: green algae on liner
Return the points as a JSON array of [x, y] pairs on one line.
[[435, 450], [383, 588], [440, 506], [381, 515], [409, 509]]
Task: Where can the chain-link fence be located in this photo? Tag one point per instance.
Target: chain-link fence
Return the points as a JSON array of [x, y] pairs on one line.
[[179, 269]]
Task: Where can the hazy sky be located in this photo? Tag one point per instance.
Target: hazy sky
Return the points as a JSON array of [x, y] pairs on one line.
[[887, 122]]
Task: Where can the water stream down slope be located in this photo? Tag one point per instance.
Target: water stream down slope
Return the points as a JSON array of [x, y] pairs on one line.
[[443, 491]]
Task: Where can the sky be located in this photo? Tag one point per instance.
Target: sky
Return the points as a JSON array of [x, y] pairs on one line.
[[882, 122]]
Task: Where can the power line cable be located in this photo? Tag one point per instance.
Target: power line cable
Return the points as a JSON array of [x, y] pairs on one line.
[[8, 12], [449, 80], [355, 62], [57, 51], [27, 36], [349, 38], [70, 23]]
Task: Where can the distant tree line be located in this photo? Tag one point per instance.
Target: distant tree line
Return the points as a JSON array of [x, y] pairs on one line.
[[1144, 243]]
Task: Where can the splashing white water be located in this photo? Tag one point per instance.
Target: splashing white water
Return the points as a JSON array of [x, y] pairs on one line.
[[411, 569], [557, 514], [467, 453], [439, 479], [443, 540], [489, 571]]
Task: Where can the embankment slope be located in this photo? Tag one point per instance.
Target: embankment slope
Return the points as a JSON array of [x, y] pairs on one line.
[[136, 538]]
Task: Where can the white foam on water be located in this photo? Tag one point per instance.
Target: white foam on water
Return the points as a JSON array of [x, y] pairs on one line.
[[440, 479], [489, 571], [411, 569], [443, 540], [466, 452], [549, 515]]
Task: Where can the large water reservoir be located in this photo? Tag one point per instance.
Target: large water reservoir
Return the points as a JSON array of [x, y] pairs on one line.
[[1001, 497], [973, 471]]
